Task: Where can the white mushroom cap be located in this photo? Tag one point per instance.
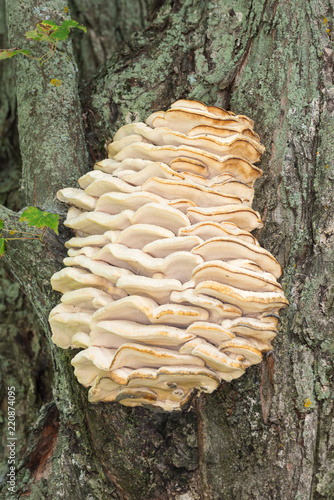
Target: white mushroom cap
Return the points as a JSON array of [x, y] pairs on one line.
[[234, 188], [64, 325], [203, 196], [139, 356], [178, 264], [184, 119], [215, 307], [97, 268], [114, 203], [229, 368], [154, 169], [87, 251], [186, 165], [187, 377], [103, 391], [132, 259], [248, 264], [87, 179], [114, 333], [233, 275], [168, 400], [160, 215], [77, 197], [88, 298], [208, 229], [145, 310], [167, 377], [66, 308], [249, 302], [71, 279], [121, 375], [81, 340], [156, 289], [240, 167], [131, 308], [251, 327], [140, 129], [139, 235], [181, 204], [229, 248], [244, 217], [163, 247], [188, 347], [73, 213], [243, 347], [237, 143], [98, 240], [92, 362], [113, 184], [211, 332], [99, 222], [139, 165], [115, 146], [223, 131], [107, 166]]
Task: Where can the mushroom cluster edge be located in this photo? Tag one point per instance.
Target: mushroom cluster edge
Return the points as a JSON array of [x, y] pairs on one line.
[[165, 290]]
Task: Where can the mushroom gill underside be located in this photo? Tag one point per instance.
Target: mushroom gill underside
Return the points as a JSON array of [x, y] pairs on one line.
[[165, 290]]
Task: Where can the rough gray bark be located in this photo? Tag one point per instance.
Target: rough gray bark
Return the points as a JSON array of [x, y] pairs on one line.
[[268, 435]]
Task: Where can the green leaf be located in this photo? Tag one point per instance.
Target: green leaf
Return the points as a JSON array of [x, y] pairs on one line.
[[42, 32], [36, 35], [1, 223], [35, 217], [2, 246], [63, 31], [47, 31], [47, 24], [8, 53]]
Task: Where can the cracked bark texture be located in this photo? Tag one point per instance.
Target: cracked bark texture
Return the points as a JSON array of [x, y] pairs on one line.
[[268, 435]]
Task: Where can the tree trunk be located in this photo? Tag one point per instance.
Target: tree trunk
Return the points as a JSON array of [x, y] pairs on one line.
[[269, 434]]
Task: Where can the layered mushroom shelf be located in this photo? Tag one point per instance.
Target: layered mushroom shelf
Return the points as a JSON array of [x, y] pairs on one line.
[[165, 289]]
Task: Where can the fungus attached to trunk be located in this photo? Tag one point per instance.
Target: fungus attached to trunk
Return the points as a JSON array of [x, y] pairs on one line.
[[165, 290]]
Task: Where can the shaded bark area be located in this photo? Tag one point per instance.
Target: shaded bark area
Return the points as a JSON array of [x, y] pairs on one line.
[[25, 357], [108, 23], [56, 138], [269, 434]]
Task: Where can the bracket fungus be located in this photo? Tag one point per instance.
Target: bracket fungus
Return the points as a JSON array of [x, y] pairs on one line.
[[165, 290]]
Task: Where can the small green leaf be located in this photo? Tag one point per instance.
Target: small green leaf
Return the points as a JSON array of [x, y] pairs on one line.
[[47, 31], [62, 32], [37, 218], [70, 23], [2, 246], [49, 25], [8, 53], [42, 32], [37, 35], [1, 223]]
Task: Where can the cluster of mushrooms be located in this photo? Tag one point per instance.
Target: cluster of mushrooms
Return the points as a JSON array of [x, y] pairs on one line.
[[165, 290]]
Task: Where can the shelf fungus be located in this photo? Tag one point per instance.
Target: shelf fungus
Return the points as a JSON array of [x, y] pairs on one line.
[[165, 291]]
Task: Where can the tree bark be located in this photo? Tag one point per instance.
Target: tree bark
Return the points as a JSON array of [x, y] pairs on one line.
[[269, 434]]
